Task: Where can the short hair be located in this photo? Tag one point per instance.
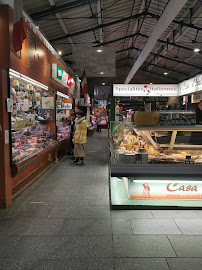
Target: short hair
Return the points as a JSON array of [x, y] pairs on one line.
[[200, 101], [79, 107], [80, 113]]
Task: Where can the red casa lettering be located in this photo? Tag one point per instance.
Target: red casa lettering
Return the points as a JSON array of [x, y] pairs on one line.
[[175, 187]]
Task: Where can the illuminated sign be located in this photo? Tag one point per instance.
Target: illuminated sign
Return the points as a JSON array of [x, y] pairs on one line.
[[190, 86], [144, 90], [165, 190], [59, 75]]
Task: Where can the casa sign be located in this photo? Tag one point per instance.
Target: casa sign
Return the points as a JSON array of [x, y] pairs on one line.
[[166, 190]]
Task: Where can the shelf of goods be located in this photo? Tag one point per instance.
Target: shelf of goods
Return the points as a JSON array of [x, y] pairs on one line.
[[63, 128], [33, 144], [146, 174]]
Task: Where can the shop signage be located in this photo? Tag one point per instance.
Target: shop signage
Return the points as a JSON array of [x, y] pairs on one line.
[[9, 105], [166, 190], [68, 106], [59, 75], [190, 86], [47, 103], [144, 90]]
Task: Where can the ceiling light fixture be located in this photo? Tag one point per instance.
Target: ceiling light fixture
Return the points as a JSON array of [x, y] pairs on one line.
[[60, 53], [103, 83], [101, 72], [196, 50], [165, 73], [151, 83], [99, 50]]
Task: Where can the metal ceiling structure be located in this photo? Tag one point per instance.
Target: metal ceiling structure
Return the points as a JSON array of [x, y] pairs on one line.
[[127, 26]]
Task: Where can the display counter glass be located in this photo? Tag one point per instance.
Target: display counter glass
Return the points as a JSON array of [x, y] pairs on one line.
[[145, 172], [62, 118], [31, 118]]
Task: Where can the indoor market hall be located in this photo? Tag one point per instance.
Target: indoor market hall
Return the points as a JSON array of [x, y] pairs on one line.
[[100, 135]]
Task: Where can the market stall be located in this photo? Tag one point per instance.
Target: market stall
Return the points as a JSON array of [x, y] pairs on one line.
[[28, 134], [146, 172]]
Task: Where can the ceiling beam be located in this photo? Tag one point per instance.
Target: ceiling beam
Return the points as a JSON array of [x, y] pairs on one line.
[[98, 27], [170, 12], [161, 56], [54, 9], [177, 33], [145, 36], [163, 67], [154, 73]]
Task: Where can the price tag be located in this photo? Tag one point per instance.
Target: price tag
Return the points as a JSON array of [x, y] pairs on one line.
[[6, 136]]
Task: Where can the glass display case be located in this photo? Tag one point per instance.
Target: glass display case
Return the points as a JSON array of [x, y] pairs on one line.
[[30, 131], [62, 117], [146, 174]]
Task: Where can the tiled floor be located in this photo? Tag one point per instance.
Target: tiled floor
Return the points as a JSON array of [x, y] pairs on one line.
[[63, 221]]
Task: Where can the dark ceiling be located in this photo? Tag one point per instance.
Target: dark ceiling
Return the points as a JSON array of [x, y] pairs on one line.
[[125, 25]]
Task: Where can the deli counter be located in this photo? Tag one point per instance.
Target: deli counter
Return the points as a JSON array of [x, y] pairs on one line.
[[154, 167]]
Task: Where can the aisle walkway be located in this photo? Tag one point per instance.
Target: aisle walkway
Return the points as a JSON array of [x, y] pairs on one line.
[[63, 221]]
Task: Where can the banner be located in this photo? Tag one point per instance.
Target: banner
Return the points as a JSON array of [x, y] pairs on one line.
[[165, 190]]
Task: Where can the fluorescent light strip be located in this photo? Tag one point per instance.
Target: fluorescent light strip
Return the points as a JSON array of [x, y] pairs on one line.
[[13, 71], [62, 95], [165, 181], [14, 75], [27, 79], [34, 82]]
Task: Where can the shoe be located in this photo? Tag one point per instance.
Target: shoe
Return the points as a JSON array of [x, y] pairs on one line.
[[76, 160], [80, 162]]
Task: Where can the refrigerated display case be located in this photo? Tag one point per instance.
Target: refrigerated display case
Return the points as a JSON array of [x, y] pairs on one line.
[[146, 174]]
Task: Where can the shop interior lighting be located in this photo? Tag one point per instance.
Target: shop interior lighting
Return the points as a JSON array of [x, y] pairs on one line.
[[165, 73], [99, 50], [165, 181], [196, 50], [60, 53], [62, 95], [27, 79], [101, 72], [151, 83], [103, 83]]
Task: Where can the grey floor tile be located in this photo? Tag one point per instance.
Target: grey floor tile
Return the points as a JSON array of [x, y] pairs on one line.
[[30, 210], [73, 212], [142, 246], [130, 214], [174, 214], [62, 247], [186, 246], [154, 226], [68, 264], [6, 264], [37, 227], [185, 263], [198, 213], [85, 246], [6, 226], [7, 244], [101, 264], [4, 213], [43, 190], [190, 226], [121, 226], [141, 264], [86, 227]]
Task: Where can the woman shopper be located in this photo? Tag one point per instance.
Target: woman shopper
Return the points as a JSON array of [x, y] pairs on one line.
[[80, 137]]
